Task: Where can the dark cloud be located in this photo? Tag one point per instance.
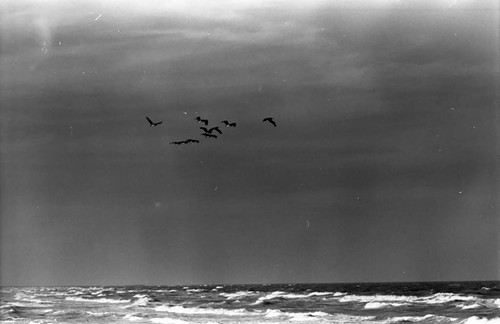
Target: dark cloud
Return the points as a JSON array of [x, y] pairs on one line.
[[386, 142]]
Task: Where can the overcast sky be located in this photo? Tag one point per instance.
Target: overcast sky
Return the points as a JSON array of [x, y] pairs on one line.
[[383, 166]]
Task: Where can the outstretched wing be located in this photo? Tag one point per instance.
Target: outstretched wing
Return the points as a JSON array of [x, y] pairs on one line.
[[269, 119], [215, 129], [149, 120], [158, 123]]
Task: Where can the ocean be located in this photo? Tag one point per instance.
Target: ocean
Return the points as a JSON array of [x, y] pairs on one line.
[[435, 302]]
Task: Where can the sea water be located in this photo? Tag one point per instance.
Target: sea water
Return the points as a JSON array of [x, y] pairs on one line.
[[439, 302]]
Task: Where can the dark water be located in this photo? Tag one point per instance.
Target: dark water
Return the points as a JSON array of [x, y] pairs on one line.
[[444, 302]]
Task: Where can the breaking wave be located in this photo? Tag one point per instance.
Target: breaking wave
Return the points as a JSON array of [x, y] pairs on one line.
[[202, 311], [98, 300]]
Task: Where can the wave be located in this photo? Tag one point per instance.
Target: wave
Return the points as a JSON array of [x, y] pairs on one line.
[[416, 319], [141, 300], [98, 300], [167, 320], [314, 317], [379, 305], [98, 314], [237, 295], [481, 320], [133, 317], [283, 295], [439, 298], [195, 290], [469, 306], [202, 311]]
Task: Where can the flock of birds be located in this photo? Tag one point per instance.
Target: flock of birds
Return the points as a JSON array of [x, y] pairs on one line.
[[207, 132]]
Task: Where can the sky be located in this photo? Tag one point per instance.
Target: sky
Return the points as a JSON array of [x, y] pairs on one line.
[[383, 165]]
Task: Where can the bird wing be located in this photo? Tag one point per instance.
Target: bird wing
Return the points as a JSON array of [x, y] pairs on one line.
[[272, 122], [215, 129], [158, 123], [149, 120]]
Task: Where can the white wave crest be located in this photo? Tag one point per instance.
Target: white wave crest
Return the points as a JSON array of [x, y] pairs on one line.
[[98, 300], [281, 294], [97, 314], [397, 300], [195, 290], [379, 305], [274, 313], [441, 298], [274, 294], [416, 319], [141, 300], [237, 294], [133, 317], [469, 306], [202, 311], [308, 316], [167, 320], [481, 320]]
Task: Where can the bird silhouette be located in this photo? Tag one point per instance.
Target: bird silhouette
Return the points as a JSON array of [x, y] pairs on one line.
[[270, 120], [216, 128], [210, 130], [209, 135], [200, 120], [153, 124], [228, 124]]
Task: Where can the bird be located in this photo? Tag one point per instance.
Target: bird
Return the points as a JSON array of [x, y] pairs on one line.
[[200, 120], [153, 124], [269, 119], [216, 128], [209, 135], [228, 124], [210, 130]]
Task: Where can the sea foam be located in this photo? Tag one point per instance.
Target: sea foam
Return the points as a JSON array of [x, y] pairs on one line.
[[202, 311], [481, 320], [167, 320], [98, 300]]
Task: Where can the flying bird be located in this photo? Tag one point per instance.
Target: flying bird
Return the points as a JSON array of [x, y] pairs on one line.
[[270, 120], [228, 124], [200, 120], [153, 124], [210, 130], [209, 135], [216, 128]]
